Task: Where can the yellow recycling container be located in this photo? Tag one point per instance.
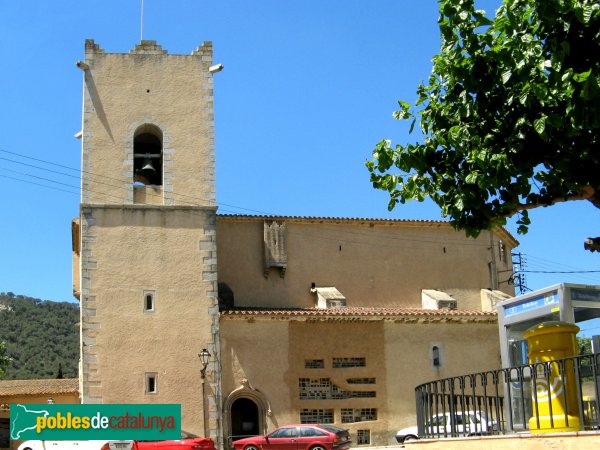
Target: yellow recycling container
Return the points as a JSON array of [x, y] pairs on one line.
[[555, 395]]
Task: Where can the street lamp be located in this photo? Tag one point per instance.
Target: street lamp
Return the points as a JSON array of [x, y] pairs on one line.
[[203, 355]]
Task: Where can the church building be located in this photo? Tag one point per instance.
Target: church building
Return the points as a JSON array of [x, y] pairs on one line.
[[252, 322]]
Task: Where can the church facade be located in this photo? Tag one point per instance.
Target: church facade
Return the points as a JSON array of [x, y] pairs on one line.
[[296, 319]]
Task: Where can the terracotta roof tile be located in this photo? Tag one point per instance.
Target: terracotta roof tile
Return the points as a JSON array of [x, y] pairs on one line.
[[349, 312], [39, 387], [341, 219]]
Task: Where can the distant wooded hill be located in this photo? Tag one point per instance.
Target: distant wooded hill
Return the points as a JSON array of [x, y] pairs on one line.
[[42, 337]]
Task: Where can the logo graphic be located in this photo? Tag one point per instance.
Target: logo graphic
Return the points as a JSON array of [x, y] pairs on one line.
[[23, 419], [86, 422]]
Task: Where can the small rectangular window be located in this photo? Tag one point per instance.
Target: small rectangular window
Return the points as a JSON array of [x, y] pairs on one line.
[[314, 364], [339, 363], [316, 416], [324, 389], [351, 415], [363, 437], [149, 301], [151, 383], [360, 380]]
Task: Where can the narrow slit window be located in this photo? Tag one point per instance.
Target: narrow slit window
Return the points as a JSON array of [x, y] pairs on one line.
[[149, 301], [151, 383], [436, 355], [435, 351]]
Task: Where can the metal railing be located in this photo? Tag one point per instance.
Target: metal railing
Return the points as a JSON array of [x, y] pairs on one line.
[[553, 395]]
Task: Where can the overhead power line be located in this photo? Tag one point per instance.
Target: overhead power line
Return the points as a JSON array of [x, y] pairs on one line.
[[560, 271], [99, 178], [342, 235]]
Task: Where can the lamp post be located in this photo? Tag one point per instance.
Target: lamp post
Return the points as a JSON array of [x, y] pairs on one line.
[[204, 356]]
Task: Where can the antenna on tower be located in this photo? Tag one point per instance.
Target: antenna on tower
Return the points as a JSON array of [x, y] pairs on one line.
[[142, 22]]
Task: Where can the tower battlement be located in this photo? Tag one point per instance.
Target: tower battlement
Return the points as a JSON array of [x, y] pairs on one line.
[[149, 47]]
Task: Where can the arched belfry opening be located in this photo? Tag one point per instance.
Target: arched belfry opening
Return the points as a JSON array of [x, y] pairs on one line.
[[148, 155]]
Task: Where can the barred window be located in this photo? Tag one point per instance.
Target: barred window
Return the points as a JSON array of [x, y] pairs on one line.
[[324, 389], [314, 364], [350, 415], [339, 363], [363, 437], [316, 416], [360, 380]]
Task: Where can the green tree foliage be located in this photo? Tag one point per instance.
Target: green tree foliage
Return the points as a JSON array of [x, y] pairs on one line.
[[510, 115], [4, 359], [584, 345], [41, 337]]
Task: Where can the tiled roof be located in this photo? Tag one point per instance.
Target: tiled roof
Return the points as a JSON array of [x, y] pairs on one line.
[[327, 218], [356, 312], [39, 387]]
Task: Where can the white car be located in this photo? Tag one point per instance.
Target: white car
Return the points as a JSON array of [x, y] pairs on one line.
[[76, 445], [467, 423]]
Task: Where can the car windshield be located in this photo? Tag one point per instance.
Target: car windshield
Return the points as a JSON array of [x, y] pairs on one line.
[[333, 429], [474, 418], [458, 419], [439, 421]]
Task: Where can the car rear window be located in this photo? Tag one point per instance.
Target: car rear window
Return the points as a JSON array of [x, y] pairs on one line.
[[310, 431], [333, 429]]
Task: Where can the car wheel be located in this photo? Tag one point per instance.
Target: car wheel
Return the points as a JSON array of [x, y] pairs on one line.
[[317, 447], [410, 438], [250, 447]]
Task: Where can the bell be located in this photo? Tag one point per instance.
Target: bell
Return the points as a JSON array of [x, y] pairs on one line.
[[147, 169]]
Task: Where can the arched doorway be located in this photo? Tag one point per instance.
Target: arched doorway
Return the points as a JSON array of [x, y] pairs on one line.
[[245, 413], [244, 418]]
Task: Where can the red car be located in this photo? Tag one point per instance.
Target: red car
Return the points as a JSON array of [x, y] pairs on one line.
[[298, 437], [187, 442]]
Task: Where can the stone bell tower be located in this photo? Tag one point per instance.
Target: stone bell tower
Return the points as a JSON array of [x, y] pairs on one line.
[[144, 244]]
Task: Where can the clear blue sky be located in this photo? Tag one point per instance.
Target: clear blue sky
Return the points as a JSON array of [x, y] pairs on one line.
[[308, 90]]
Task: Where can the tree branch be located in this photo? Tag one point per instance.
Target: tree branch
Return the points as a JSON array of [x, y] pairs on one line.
[[585, 193]]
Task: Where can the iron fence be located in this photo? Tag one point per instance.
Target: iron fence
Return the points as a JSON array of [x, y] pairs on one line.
[[559, 395]]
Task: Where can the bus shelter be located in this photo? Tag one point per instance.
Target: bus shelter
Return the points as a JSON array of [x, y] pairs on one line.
[[570, 303]]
